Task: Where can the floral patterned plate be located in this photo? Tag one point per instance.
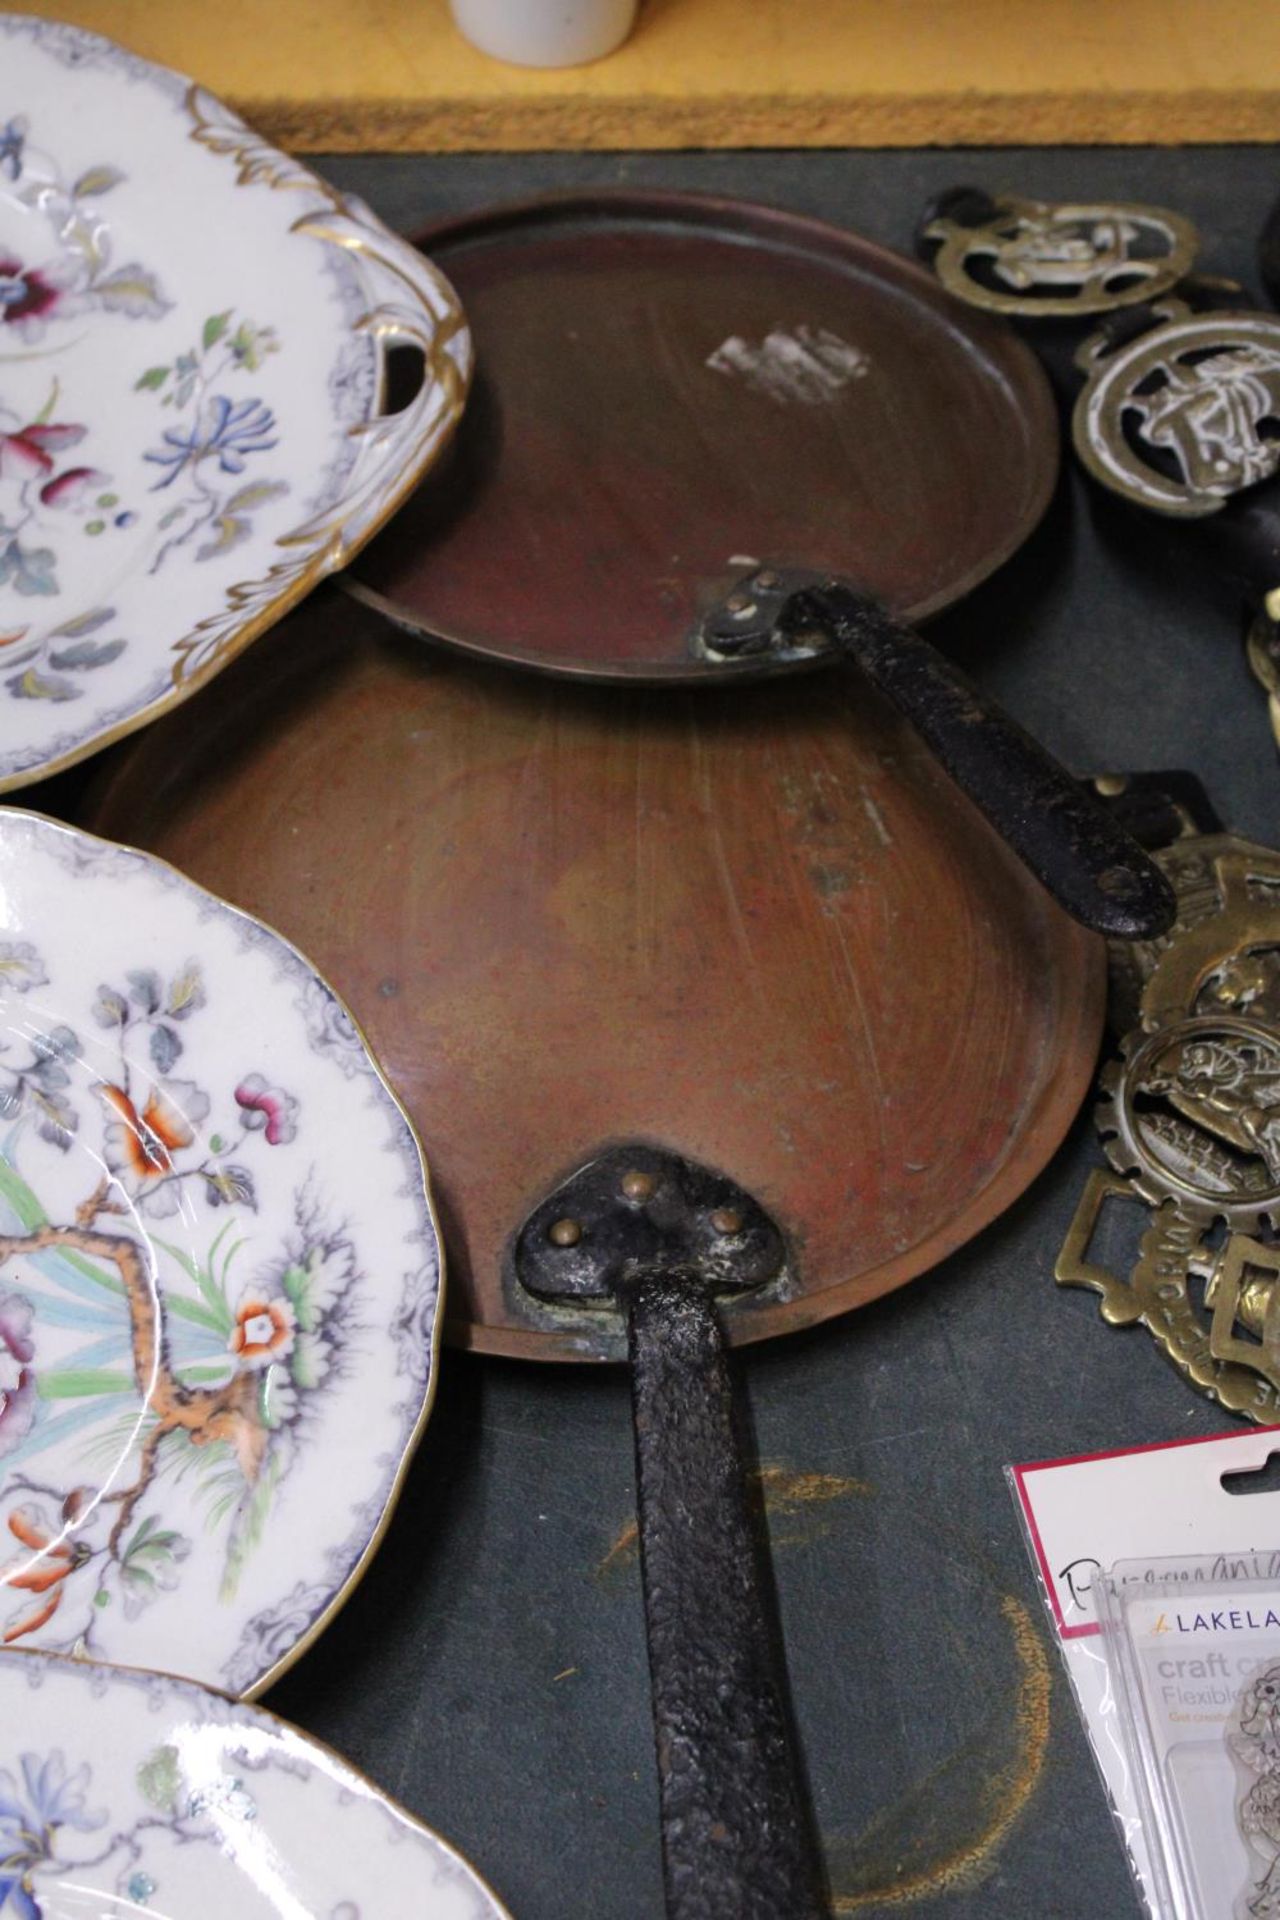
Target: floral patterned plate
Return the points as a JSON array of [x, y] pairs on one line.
[[219, 1273], [128, 1793], [194, 333]]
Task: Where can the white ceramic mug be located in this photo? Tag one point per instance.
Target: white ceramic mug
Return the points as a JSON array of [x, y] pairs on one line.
[[545, 33]]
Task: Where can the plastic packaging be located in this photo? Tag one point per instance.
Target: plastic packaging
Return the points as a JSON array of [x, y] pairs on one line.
[[1115, 1533], [1193, 1649]]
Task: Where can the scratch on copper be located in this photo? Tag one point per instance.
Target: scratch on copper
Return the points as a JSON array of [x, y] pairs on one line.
[[876, 818], [728, 884]]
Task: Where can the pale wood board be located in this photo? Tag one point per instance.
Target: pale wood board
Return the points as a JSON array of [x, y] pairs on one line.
[[395, 76]]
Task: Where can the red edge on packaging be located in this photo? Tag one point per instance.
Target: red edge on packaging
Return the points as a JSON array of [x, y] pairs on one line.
[[1080, 1459]]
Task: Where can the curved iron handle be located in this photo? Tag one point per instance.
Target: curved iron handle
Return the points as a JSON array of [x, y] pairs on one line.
[[736, 1838], [1057, 828]]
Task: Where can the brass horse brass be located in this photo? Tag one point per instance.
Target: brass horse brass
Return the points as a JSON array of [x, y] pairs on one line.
[[1035, 259], [1263, 649], [1177, 419], [1190, 1119]]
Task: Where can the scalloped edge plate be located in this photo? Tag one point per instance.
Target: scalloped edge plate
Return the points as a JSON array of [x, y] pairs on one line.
[[219, 1273], [194, 341], [137, 1793]]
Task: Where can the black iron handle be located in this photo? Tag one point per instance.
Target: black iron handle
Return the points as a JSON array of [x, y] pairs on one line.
[[736, 1838], [1082, 854], [1242, 544], [661, 1238]]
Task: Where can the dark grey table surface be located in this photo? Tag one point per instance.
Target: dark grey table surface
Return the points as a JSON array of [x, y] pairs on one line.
[[490, 1671]]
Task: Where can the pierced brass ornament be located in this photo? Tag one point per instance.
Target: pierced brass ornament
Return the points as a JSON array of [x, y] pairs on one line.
[[1263, 648], [1189, 1116], [1192, 1113], [1213, 1311], [1035, 258], [1185, 415]]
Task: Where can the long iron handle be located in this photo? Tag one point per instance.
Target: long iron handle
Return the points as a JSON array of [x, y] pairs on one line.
[[1058, 829], [737, 1843]]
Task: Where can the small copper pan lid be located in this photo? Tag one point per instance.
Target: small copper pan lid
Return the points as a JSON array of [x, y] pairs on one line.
[[672, 388]]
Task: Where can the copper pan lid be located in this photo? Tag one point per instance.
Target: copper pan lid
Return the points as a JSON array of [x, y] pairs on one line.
[[759, 927], [672, 387]]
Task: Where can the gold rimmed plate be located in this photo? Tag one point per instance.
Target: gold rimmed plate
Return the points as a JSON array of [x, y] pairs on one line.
[[127, 1792], [219, 1273], [194, 342]]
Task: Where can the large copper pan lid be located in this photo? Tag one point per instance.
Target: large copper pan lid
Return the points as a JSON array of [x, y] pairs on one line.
[[760, 928], [672, 387]]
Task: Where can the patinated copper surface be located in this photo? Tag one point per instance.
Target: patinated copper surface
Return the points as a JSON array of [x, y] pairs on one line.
[[671, 387], [761, 928]]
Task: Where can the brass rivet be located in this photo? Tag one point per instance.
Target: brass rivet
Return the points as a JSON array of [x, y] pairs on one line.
[[768, 580], [727, 1220], [1110, 784], [637, 1185], [564, 1233], [740, 604]]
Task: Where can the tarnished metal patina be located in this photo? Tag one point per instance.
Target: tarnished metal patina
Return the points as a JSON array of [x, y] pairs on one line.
[[1190, 1121], [1186, 414], [1191, 1113], [1178, 410], [1079, 851], [1263, 649], [1211, 1309], [1036, 259], [662, 1239]]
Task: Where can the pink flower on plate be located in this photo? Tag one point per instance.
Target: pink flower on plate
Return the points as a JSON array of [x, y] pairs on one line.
[[28, 454], [68, 488], [28, 466], [26, 293], [17, 1380], [267, 1109]]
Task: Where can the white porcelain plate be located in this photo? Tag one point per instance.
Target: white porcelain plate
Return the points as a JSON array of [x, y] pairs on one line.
[[219, 1273], [131, 1794], [193, 338]]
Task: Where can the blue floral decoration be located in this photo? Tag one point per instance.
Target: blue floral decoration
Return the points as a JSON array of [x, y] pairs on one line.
[[31, 1812], [12, 138], [28, 569], [230, 431]]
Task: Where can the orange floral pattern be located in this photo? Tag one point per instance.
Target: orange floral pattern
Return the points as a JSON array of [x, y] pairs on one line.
[[264, 1330]]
